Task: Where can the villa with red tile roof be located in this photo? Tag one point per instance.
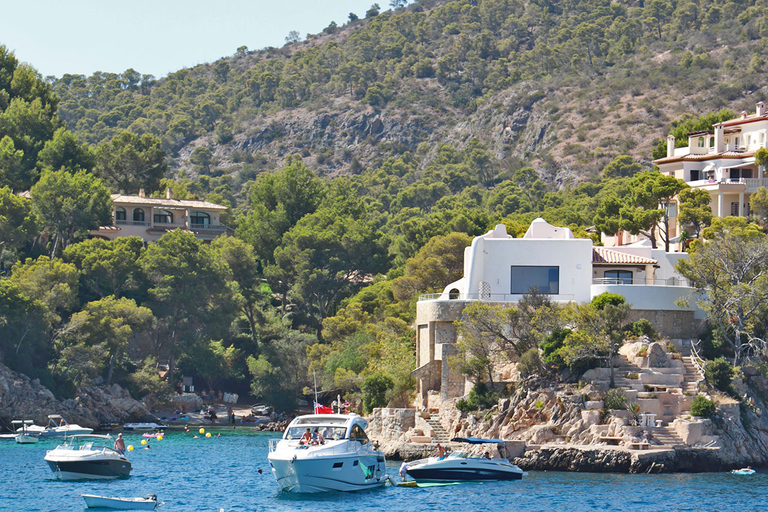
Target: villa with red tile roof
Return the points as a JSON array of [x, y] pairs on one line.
[[150, 218], [722, 161]]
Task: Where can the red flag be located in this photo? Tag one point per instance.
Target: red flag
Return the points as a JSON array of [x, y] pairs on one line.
[[321, 409]]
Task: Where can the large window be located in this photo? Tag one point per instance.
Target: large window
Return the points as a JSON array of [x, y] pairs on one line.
[[119, 213], [529, 278], [138, 215], [618, 276], [163, 217], [200, 219]]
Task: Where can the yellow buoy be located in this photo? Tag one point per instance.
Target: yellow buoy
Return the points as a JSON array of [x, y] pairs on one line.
[[130, 447], [143, 441], [159, 438], [208, 434], [202, 430]]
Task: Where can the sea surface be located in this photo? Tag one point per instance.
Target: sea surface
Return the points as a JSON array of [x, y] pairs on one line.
[[221, 473]]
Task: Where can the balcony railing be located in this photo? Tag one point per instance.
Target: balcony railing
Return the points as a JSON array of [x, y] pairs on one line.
[[131, 223], [672, 281], [493, 297]]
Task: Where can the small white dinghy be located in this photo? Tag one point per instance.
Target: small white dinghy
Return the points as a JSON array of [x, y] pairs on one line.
[[148, 503]]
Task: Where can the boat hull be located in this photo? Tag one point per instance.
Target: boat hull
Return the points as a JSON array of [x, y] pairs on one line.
[[351, 472], [464, 470], [90, 470], [93, 501], [27, 439]]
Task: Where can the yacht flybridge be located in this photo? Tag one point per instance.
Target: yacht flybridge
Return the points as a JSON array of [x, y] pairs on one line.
[[326, 452]]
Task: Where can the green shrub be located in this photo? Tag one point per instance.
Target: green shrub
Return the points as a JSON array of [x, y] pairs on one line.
[[615, 399], [375, 391], [480, 397], [643, 328], [550, 349], [530, 362], [703, 407], [606, 298], [719, 373]]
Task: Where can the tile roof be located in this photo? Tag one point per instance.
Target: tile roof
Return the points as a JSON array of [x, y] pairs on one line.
[[168, 203], [603, 256], [708, 156]]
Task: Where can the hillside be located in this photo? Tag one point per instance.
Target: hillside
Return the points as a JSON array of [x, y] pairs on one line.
[[563, 86]]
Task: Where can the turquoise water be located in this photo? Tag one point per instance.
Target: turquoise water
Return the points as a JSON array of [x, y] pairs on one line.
[[209, 474]]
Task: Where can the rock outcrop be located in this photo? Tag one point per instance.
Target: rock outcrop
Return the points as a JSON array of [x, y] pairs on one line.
[[25, 398]]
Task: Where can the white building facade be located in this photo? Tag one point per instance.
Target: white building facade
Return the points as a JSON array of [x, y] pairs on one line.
[[500, 269]]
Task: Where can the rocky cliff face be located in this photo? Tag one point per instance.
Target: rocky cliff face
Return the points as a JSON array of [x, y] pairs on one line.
[[563, 429], [23, 398]]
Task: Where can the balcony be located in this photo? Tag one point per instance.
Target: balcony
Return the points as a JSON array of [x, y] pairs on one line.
[[210, 229], [131, 223]]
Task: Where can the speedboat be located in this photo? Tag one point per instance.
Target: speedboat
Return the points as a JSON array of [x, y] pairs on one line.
[[342, 459], [23, 435], [462, 466], [57, 426], [87, 457], [143, 426], [93, 501]]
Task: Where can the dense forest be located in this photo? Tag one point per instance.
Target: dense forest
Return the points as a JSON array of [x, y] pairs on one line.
[[358, 164]]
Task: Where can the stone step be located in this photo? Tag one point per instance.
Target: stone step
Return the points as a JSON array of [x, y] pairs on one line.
[[438, 432], [666, 436]]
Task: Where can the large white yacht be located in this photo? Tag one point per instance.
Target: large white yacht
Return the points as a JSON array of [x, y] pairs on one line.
[[344, 460]]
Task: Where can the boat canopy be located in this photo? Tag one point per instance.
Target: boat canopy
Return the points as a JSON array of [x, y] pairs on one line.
[[476, 440]]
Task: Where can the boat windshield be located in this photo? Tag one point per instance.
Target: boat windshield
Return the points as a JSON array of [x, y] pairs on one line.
[[329, 432], [461, 455]]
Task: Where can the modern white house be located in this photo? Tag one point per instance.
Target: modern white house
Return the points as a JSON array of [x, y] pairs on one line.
[[150, 218], [500, 269], [722, 161]]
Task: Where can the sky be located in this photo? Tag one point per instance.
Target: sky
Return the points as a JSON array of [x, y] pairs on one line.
[[156, 37]]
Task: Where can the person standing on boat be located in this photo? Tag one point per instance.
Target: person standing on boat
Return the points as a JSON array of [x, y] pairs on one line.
[[120, 444], [440, 451]]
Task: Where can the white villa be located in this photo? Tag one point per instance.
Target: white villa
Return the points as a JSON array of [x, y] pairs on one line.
[[722, 161], [500, 269], [150, 218]]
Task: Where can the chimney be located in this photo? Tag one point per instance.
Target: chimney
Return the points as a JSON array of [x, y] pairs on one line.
[[141, 193], [670, 146], [760, 110], [168, 193], [743, 114], [719, 139]]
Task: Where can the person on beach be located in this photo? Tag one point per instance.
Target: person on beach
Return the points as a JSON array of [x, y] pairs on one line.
[[120, 444], [307, 437]]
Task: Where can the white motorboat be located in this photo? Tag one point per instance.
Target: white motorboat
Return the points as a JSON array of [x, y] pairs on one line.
[[87, 457], [93, 501], [143, 426], [57, 426], [463, 466], [23, 435], [344, 460]]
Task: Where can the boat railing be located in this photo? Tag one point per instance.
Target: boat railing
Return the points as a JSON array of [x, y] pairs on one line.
[[340, 447]]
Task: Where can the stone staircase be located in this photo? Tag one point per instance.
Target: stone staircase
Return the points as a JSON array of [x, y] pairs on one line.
[[692, 376], [621, 372], [439, 435], [666, 436]]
